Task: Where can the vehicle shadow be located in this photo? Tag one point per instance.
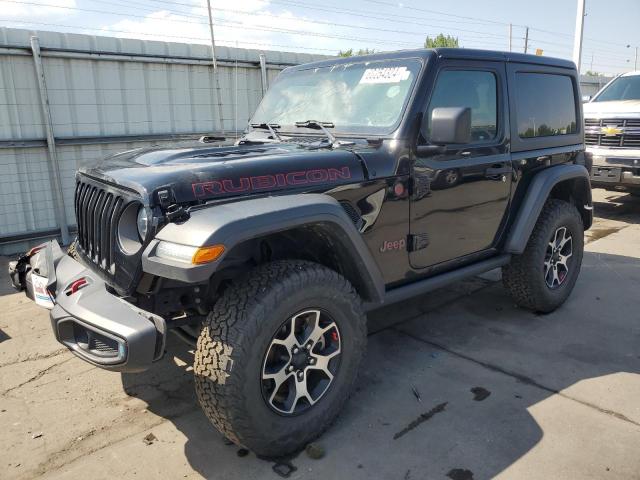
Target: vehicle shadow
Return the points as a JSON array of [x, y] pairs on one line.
[[618, 206], [446, 390], [3, 336]]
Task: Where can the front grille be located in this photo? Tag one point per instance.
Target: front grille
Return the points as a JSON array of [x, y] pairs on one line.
[[629, 138], [97, 214]]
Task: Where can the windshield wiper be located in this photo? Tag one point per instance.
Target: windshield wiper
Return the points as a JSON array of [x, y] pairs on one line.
[[268, 126], [316, 125]]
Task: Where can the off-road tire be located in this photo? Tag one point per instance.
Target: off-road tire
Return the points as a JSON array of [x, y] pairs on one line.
[[524, 278], [235, 337]]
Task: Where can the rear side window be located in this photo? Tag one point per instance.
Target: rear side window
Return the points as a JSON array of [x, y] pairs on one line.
[[545, 105], [469, 88]]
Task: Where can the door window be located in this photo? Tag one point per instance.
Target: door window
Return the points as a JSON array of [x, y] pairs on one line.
[[474, 89]]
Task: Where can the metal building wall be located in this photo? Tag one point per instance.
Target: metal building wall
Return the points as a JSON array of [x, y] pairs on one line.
[[108, 95], [590, 85]]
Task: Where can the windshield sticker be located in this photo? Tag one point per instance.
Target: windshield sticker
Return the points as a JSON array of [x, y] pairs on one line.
[[385, 75]]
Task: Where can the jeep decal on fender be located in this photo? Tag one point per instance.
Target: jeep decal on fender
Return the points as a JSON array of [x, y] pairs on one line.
[[393, 245], [267, 182]]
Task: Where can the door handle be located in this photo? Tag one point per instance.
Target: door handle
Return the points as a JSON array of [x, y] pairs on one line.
[[497, 171]]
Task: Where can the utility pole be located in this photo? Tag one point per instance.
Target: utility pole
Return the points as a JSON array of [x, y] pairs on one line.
[[577, 42], [216, 80], [213, 40], [635, 65], [526, 39], [510, 38]]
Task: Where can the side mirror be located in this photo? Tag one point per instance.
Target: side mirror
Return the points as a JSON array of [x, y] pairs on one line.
[[586, 98], [449, 125]]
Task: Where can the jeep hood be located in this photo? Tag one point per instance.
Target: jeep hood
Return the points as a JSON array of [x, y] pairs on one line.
[[624, 108], [197, 172]]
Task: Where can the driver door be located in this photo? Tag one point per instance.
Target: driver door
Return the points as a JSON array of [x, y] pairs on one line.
[[460, 197]]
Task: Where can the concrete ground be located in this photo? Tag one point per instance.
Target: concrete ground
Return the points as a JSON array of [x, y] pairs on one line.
[[502, 392]]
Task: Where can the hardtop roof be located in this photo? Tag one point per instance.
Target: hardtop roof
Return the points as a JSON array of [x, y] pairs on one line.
[[452, 53]]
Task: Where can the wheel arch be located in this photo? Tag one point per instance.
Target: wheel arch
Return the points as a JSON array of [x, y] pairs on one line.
[[304, 226], [319, 242], [564, 182]]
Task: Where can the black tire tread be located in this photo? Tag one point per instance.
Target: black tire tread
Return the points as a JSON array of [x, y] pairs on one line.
[[230, 324], [517, 275]]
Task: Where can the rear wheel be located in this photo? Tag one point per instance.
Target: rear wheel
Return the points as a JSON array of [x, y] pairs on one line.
[[279, 354], [543, 276]]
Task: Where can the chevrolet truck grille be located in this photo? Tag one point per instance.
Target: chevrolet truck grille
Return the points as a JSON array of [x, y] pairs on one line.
[[97, 213], [623, 133]]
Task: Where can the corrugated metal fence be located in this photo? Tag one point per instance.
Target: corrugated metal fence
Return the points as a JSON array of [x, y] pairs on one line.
[[107, 95]]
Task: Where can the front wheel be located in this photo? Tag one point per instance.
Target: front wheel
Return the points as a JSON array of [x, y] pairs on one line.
[[543, 276], [279, 354]]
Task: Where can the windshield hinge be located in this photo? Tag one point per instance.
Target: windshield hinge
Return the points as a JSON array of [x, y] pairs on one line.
[[172, 211]]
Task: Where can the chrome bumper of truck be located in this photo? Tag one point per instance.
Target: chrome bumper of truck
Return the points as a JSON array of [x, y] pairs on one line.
[[615, 168]]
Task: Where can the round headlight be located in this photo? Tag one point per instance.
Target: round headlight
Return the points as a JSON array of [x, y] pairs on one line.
[[143, 223]]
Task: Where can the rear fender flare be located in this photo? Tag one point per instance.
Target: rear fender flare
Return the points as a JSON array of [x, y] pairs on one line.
[[537, 194]]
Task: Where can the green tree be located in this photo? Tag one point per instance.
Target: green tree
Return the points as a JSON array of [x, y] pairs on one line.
[[589, 73], [351, 53], [441, 41]]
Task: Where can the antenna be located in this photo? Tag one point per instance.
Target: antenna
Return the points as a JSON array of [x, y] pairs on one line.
[[235, 110]]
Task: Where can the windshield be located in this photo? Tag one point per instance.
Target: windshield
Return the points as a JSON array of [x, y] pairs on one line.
[[622, 88], [364, 97]]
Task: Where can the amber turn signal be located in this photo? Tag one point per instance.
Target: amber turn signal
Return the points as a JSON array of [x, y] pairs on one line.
[[207, 254]]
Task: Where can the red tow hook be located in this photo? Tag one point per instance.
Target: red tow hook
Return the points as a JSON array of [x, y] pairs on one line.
[[76, 285]]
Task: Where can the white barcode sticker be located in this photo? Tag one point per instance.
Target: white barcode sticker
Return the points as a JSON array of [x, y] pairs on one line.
[[40, 292], [385, 75]]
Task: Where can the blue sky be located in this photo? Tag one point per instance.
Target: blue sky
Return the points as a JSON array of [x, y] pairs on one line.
[[315, 26]]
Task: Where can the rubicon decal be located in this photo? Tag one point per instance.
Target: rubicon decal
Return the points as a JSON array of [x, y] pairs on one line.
[[268, 182]]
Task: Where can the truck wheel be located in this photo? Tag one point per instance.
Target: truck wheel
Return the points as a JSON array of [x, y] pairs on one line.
[[279, 354], [542, 277]]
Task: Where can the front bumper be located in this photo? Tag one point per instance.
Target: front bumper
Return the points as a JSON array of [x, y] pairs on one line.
[[96, 325], [615, 168]]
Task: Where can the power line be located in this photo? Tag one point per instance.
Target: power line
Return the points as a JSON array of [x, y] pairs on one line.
[[484, 38], [204, 39], [301, 19], [426, 10], [382, 2], [306, 20], [333, 10], [223, 22], [229, 24], [358, 13]]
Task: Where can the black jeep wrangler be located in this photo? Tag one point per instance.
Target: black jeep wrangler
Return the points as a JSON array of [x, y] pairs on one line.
[[359, 182]]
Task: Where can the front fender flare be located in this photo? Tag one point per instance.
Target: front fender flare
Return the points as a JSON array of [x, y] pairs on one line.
[[233, 223], [537, 194]]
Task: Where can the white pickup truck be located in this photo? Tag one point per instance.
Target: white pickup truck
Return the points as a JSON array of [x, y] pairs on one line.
[[612, 134]]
